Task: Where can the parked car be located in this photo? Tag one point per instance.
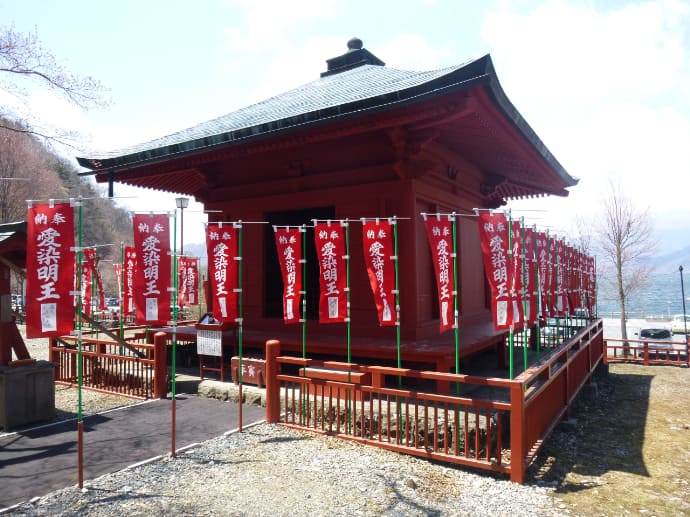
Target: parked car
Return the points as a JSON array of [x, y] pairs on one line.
[[677, 324], [659, 340]]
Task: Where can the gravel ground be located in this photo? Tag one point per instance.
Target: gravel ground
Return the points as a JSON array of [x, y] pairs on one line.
[[271, 470]]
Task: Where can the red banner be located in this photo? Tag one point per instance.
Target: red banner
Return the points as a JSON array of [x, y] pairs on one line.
[[553, 278], [91, 263], [439, 231], [329, 239], [531, 277], [378, 250], [130, 273], [543, 264], [560, 278], [591, 286], [152, 276], [517, 292], [289, 248], [50, 270], [188, 281], [493, 235], [221, 246]]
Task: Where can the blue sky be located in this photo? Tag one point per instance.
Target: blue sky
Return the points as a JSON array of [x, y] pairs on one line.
[[603, 83]]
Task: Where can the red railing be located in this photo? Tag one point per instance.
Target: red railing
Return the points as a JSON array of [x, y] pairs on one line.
[[489, 423], [136, 370], [647, 352]]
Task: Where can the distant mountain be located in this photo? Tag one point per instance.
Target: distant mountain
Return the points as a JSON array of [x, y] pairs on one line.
[[669, 262]]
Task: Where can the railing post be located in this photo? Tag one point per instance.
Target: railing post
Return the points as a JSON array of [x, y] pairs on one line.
[[606, 352], [272, 383], [645, 353], [518, 433], [160, 365]]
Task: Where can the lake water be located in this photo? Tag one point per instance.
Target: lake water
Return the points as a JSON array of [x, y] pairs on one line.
[[661, 298]]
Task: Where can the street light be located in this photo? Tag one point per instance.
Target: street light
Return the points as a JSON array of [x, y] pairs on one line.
[[682, 291], [182, 203]]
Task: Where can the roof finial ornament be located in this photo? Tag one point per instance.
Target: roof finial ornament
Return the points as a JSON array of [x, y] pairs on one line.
[[355, 44]]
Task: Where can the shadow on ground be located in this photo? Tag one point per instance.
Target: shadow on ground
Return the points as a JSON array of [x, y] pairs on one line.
[[604, 432]]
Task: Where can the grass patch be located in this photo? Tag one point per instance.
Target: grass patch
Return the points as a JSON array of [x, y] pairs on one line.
[[625, 448]]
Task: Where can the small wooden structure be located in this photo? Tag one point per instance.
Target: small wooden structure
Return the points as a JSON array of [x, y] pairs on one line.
[[363, 140]]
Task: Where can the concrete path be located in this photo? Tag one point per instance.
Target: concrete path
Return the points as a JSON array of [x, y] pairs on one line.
[[37, 461]]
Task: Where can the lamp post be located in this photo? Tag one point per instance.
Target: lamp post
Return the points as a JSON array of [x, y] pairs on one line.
[[682, 292], [182, 203]]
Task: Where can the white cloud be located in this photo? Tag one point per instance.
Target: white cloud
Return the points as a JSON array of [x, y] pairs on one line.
[[409, 51], [606, 89], [267, 25]]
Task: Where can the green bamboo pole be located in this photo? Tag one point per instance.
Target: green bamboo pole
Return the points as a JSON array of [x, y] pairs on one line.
[[394, 223], [240, 324], [456, 310], [303, 291], [510, 299], [348, 322], [538, 300], [525, 330], [347, 292], [79, 327]]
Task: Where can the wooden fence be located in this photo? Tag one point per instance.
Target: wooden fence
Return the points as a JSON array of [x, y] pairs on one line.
[[489, 423], [137, 370], [647, 352]]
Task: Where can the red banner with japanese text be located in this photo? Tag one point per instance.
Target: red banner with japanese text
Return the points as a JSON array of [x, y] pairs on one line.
[[544, 276], [561, 300], [439, 232], [130, 268], [378, 247], [221, 246], [517, 292], [591, 299], [91, 262], [188, 281], [153, 274], [289, 249], [329, 239], [531, 277], [493, 236], [553, 278], [50, 270]]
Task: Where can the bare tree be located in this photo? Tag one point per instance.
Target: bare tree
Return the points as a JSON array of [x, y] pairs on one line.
[[24, 63], [25, 173], [624, 235]]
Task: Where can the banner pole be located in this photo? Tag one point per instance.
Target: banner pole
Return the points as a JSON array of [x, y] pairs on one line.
[[397, 293], [80, 356], [303, 231], [549, 287], [349, 323], [525, 330], [537, 283], [512, 322], [174, 334], [347, 306], [456, 312], [122, 292], [240, 323]]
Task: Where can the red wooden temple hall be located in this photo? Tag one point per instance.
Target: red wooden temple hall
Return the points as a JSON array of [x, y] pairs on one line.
[[363, 140]]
